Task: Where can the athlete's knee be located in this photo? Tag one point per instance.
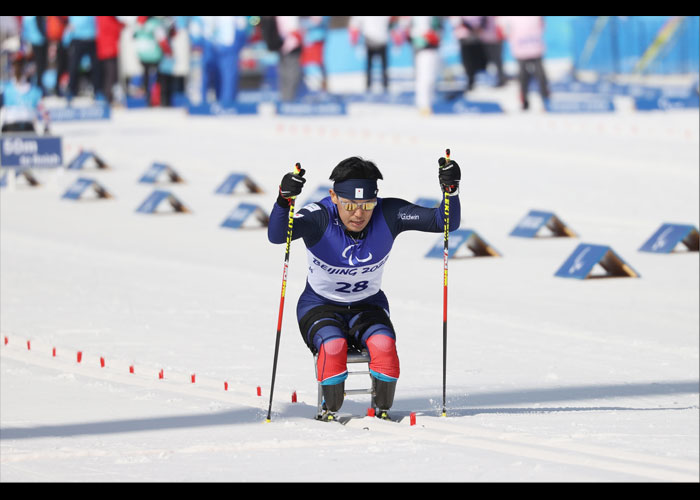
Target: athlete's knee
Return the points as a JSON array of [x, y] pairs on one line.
[[331, 365], [384, 360]]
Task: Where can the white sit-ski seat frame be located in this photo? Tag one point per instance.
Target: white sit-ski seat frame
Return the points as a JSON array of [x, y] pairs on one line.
[[354, 357]]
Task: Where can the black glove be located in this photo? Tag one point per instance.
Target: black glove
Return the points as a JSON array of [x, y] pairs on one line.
[[291, 185], [449, 175]]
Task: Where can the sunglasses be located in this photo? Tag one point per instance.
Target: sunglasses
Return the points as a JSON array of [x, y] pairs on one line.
[[351, 206]]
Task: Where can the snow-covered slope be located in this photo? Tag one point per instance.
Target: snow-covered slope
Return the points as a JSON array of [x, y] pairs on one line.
[[548, 379]]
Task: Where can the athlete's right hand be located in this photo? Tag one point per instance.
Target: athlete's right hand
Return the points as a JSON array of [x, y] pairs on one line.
[[449, 175], [291, 184]]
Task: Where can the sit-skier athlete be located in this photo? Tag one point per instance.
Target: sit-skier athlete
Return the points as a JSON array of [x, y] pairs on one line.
[[348, 237]]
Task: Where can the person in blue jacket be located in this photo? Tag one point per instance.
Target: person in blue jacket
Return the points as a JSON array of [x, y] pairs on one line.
[[223, 39], [348, 237], [20, 101], [34, 33]]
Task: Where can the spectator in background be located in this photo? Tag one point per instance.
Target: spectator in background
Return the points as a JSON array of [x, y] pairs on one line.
[[375, 32], [224, 37], [181, 46], [34, 34], [81, 31], [468, 31], [109, 30], [151, 45], [290, 70], [283, 35], [315, 29], [424, 32], [492, 39], [166, 66], [20, 106], [57, 51], [525, 35]]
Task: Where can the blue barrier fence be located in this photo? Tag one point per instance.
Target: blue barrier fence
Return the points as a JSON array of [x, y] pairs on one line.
[[606, 44], [636, 44]]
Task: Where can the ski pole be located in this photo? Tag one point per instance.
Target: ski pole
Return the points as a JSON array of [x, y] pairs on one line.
[[297, 169], [444, 291]]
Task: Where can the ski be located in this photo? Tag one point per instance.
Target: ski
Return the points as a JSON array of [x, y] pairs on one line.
[[345, 418]]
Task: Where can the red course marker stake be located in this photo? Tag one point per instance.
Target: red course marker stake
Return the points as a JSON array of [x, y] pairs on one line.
[[80, 356], [102, 362], [413, 418]]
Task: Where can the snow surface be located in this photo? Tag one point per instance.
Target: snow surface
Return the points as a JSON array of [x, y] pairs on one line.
[[548, 379]]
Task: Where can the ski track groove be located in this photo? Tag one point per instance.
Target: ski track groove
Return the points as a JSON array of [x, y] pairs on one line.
[[647, 467], [430, 429]]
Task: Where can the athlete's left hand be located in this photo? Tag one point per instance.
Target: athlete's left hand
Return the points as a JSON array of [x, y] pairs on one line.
[[449, 175]]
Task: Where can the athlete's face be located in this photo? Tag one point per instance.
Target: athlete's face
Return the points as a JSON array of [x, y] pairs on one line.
[[355, 214]]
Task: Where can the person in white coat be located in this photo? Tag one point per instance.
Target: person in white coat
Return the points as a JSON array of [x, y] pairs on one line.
[[374, 30], [424, 33]]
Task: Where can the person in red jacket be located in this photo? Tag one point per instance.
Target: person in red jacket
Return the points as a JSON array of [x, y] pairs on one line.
[[109, 30]]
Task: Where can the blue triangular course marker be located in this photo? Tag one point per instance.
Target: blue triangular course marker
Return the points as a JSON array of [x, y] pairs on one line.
[[28, 176], [320, 193], [79, 161], [460, 239], [428, 202], [531, 225], [151, 203], [240, 216], [668, 236], [80, 186], [234, 180], [582, 261], [156, 170]]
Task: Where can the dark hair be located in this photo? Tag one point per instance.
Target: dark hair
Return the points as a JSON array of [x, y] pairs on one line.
[[355, 168]]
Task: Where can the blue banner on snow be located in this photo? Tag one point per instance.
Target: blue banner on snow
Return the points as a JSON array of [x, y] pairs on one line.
[[333, 108], [463, 106], [217, 109], [666, 103], [588, 104], [98, 111]]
